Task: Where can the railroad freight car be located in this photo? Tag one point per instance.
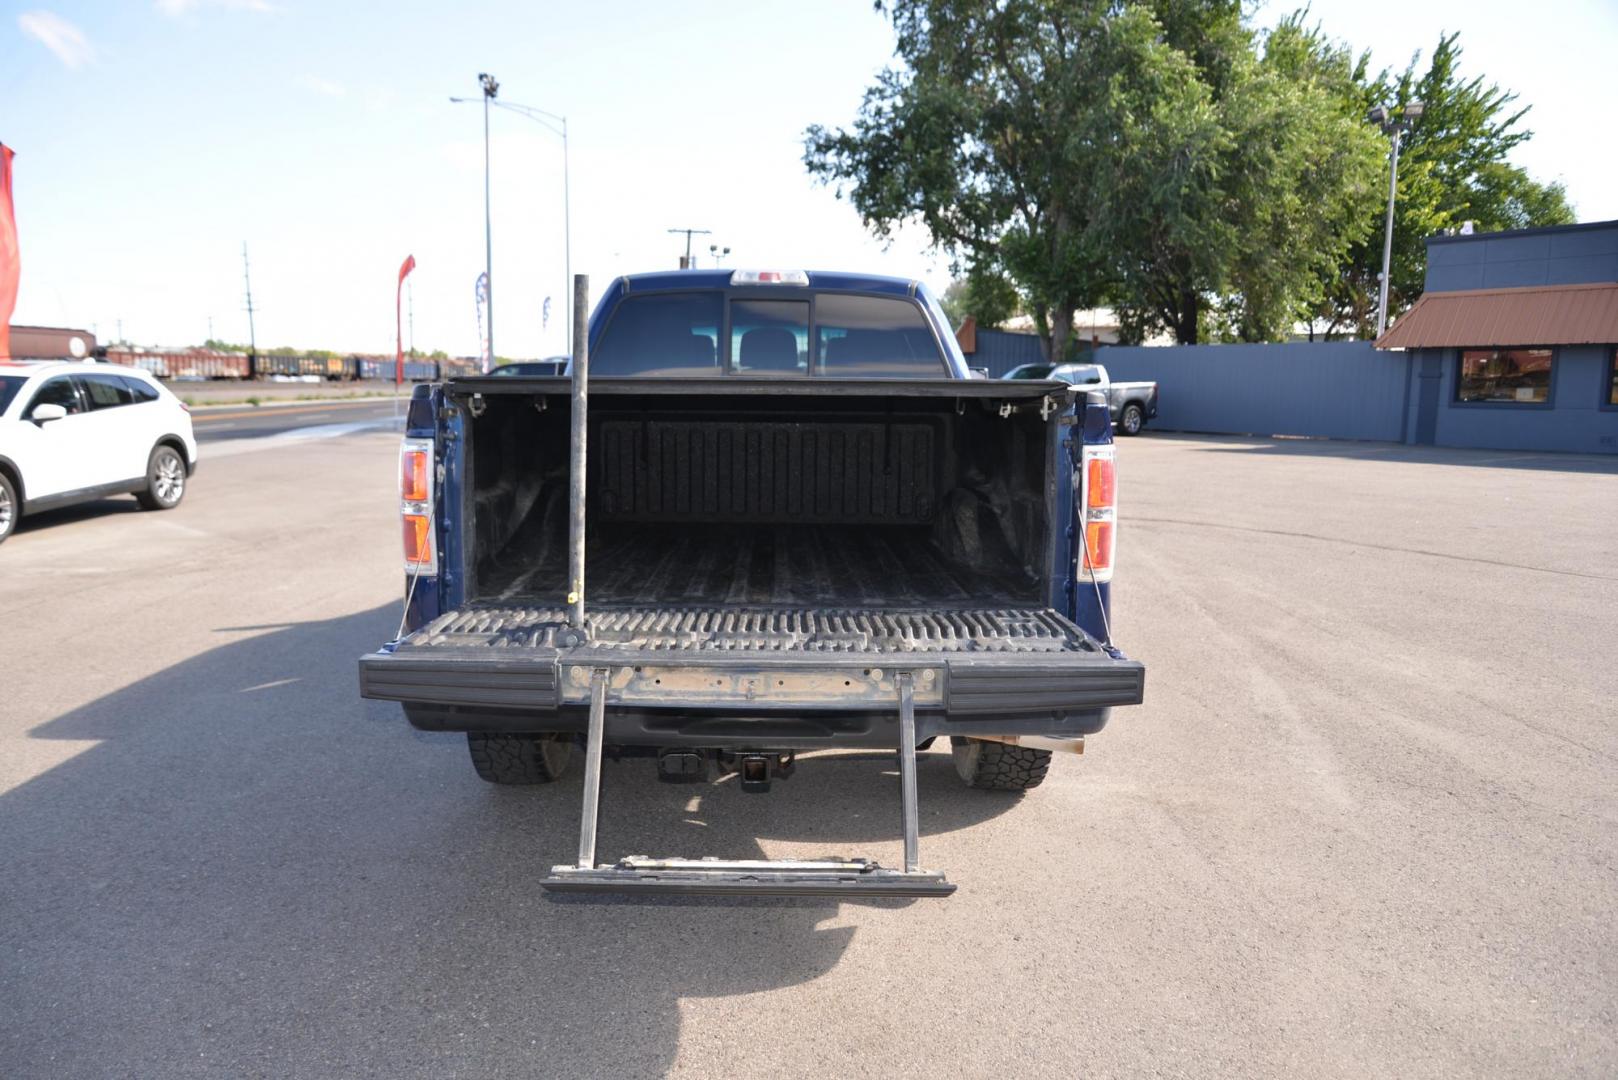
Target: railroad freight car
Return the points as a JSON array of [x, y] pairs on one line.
[[458, 367], [51, 343], [190, 364], [269, 365], [380, 369]]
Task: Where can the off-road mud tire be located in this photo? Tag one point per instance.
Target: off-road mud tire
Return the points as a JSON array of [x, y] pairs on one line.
[[992, 766], [519, 759]]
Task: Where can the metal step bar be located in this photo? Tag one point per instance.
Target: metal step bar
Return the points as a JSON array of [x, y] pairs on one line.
[[786, 877]]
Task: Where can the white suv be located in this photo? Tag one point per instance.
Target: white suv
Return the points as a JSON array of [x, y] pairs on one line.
[[71, 432]]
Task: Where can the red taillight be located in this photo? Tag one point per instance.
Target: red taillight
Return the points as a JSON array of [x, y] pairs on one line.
[[418, 541], [413, 465], [1098, 538], [1100, 513], [1102, 488], [416, 505]]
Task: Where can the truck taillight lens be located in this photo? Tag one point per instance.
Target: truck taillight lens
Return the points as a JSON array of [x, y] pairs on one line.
[[413, 467], [416, 505], [1101, 483], [418, 542], [1100, 502]]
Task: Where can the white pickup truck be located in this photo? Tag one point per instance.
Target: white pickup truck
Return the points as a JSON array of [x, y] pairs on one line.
[[1130, 403]]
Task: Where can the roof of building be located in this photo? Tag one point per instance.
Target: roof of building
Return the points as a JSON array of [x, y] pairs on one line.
[[1546, 315]]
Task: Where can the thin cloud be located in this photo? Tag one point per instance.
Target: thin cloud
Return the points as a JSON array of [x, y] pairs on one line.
[[321, 86], [58, 35], [176, 8]]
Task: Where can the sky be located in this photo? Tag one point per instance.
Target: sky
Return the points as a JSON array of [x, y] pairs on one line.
[[155, 137]]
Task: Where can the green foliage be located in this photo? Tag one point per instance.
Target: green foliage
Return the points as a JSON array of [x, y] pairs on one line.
[[988, 297], [1452, 169], [1005, 131], [223, 346], [1139, 153], [1162, 157]]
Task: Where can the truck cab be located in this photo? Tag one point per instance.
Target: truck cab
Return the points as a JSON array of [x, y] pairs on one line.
[[766, 512]]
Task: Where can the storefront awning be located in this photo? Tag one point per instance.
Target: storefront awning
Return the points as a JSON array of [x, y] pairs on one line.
[[1551, 315]]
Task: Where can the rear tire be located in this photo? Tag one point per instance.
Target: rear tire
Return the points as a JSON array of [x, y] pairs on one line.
[[10, 507], [1132, 419], [993, 766], [165, 480], [519, 759]]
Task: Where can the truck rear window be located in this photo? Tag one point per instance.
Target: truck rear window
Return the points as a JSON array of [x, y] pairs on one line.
[[679, 334], [869, 336], [661, 334]]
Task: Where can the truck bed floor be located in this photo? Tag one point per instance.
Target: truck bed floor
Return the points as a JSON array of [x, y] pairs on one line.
[[790, 565]]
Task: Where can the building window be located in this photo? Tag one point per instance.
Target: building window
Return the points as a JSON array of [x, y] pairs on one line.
[[1612, 380], [1516, 375]]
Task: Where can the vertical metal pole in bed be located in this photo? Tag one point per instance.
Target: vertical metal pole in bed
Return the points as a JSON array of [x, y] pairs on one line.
[[581, 416]]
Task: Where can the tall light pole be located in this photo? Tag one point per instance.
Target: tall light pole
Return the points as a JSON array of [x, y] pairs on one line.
[[1396, 127], [491, 87], [556, 125]]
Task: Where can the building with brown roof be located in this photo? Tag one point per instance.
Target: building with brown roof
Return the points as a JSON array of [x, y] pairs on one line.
[[1514, 342]]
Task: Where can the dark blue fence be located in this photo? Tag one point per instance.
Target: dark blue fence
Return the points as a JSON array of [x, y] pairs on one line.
[[1340, 390]]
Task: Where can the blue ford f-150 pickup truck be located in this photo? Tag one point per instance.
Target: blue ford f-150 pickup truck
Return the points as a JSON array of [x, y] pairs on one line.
[[765, 512]]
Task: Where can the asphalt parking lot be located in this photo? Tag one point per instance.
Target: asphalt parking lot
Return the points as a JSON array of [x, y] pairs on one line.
[[1365, 824]]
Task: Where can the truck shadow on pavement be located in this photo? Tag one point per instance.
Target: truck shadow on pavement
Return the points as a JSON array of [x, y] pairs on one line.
[[252, 872]]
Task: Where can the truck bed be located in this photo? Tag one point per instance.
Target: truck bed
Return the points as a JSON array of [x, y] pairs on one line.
[[871, 566]]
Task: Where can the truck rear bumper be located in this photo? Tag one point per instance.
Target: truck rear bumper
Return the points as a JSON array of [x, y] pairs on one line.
[[753, 678]]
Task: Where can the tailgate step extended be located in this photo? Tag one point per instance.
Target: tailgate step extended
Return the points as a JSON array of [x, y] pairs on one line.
[[718, 877], [783, 877]]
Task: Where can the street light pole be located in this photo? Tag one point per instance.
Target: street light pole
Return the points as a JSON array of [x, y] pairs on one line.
[[556, 125], [1387, 239], [1395, 128], [490, 89]]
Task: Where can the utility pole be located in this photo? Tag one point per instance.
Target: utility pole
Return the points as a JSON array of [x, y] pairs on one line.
[[210, 327], [685, 263], [410, 295], [247, 280]]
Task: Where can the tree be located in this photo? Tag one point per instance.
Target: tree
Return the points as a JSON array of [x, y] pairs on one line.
[[1452, 169], [1011, 150], [1138, 153], [989, 298]]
